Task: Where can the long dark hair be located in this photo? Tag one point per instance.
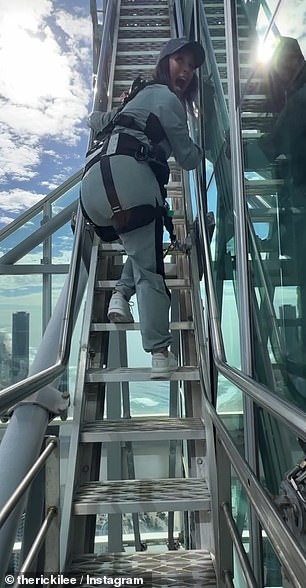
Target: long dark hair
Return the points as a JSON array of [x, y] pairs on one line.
[[161, 75]]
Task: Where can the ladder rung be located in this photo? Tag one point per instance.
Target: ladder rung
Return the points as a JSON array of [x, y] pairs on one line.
[[174, 494], [118, 249], [171, 283], [124, 374], [144, 6], [136, 53], [144, 40], [148, 29], [142, 429], [141, 66], [174, 326], [140, 17]]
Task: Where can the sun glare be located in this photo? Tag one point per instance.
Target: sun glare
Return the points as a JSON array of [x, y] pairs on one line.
[[265, 50]]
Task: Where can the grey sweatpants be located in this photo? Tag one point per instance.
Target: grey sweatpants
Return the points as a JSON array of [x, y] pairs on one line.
[[143, 271]]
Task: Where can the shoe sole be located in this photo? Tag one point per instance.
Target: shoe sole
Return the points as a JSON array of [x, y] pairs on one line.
[[115, 317]]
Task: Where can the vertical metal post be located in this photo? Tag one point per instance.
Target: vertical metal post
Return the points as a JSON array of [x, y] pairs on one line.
[[52, 500], [47, 278], [32, 521], [244, 304], [19, 448], [114, 465], [223, 487]]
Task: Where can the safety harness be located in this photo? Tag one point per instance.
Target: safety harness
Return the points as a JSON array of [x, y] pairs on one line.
[[111, 143]]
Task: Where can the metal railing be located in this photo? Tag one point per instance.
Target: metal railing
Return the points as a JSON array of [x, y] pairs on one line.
[[16, 392], [12, 394], [52, 504]]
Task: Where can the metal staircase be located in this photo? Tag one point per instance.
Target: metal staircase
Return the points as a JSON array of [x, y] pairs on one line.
[[182, 495], [106, 479]]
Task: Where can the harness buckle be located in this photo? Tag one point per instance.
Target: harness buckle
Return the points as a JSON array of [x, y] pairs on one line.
[[142, 153]]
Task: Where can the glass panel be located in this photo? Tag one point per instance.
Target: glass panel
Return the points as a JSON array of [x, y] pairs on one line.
[[272, 130], [272, 115], [35, 222], [21, 325]]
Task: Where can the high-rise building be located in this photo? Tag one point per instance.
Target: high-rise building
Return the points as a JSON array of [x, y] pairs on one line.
[[20, 345]]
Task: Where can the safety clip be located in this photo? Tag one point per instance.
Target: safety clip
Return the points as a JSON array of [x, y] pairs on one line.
[[142, 153]]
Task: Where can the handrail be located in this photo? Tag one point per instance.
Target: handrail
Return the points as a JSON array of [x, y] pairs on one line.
[[37, 236], [100, 101], [282, 539], [38, 541], [25, 483], [12, 394], [38, 207], [213, 64], [243, 558]]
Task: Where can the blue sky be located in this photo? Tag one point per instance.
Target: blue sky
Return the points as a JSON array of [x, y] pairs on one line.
[[45, 96]]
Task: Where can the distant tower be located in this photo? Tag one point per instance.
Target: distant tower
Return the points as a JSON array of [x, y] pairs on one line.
[[20, 346]]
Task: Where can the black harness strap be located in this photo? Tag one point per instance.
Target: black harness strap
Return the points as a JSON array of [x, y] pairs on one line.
[[109, 185], [125, 220]]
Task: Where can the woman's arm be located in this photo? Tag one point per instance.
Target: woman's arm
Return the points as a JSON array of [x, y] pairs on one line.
[[173, 119], [97, 120]]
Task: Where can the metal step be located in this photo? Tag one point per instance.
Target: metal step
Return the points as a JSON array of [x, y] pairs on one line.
[[171, 283], [144, 17], [174, 326], [143, 53], [129, 27], [145, 8], [124, 70], [121, 496], [118, 249], [124, 374], [169, 569], [142, 429]]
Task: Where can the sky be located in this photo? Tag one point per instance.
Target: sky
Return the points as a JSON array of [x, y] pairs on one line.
[[45, 96]]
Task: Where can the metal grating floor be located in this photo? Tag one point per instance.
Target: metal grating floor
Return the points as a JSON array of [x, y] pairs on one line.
[[142, 496], [143, 429], [177, 569]]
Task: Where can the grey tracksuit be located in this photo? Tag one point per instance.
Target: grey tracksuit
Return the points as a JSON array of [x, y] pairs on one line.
[[136, 184]]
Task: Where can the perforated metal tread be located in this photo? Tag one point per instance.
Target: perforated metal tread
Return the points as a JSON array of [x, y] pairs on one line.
[[124, 374], [142, 429], [117, 248], [177, 494], [174, 326], [171, 283], [171, 569]]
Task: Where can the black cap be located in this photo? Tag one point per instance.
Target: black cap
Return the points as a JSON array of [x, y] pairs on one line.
[[175, 45]]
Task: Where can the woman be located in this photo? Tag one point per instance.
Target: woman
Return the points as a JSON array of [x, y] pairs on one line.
[[125, 181]]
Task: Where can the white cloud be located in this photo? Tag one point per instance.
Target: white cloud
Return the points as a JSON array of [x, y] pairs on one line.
[[18, 200], [44, 94], [17, 159], [5, 220]]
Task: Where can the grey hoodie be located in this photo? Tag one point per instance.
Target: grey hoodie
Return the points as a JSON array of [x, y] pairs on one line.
[[134, 181]]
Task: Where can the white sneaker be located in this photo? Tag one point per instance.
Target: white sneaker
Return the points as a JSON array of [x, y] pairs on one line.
[[119, 309], [162, 365]]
